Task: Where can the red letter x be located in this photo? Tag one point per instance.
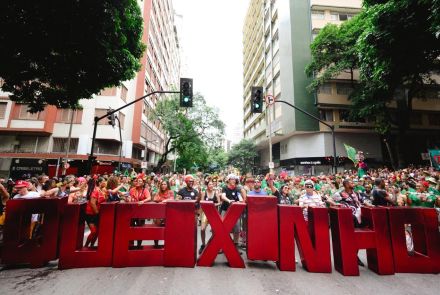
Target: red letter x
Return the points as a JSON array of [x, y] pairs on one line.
[[221, 238]]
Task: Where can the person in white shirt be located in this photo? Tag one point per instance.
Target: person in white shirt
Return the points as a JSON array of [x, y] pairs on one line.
[[23, 193], [310, 198]]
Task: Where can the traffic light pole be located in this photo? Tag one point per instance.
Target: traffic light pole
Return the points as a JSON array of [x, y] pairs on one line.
[[97, 119], [120, 138], [332, 128]]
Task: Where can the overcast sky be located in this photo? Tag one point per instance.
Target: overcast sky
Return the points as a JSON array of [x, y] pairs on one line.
[[211, 36]]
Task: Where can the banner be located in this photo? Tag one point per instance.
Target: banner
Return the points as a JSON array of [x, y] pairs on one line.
[[434, 156], [351, 153]]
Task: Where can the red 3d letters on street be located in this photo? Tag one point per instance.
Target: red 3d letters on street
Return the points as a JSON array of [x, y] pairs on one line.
[[313, 239], [425, 232], [262, 228], [272, 232], [18, 246], [347, 241], [72, 252], [221, 239]]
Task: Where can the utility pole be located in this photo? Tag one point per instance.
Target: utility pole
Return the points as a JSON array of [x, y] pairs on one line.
[[269, 118], [120, 149], [68, 143]]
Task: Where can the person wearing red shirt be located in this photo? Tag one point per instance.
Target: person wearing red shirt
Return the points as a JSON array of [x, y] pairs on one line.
[[96, 198], [163, 195], [139, 194]]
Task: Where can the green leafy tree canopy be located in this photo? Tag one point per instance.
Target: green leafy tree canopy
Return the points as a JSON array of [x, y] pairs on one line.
[[242, 155], [57, 52]]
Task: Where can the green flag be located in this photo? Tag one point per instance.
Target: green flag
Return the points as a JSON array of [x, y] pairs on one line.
[[434, 156], [351, 153]]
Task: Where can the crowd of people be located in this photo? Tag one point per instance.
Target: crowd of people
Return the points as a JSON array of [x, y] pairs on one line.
[[413, 187]]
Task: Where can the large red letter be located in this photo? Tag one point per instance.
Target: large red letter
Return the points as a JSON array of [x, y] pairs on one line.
[[124, 233], [347, 241], [426, 237], [262, 235], [72, 253], [18, 247], [180, 234], [313, 242], [221, 239]]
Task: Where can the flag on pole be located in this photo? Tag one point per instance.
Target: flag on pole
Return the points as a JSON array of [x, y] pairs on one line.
[[351, 153], [434, 156]]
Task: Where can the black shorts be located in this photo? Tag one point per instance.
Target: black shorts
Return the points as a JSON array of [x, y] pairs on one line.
[[92, 219]]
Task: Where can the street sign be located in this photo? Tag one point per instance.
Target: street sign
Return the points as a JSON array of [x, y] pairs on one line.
[[271, 165], [144, 165], [270, 100]]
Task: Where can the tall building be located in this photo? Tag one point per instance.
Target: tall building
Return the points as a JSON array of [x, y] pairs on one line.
[[34, 143], [276, 39]]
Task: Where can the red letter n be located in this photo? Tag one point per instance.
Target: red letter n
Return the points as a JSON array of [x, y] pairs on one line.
[[313, 240]]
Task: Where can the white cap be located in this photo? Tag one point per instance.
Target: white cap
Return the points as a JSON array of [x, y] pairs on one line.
[[231, 176]]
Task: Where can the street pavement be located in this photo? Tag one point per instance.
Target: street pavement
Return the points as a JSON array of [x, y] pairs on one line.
[[256, 278]]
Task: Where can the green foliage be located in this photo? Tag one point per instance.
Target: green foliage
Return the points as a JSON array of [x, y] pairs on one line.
[[57, 52], [193, 133], [242, 155], [395, 44]]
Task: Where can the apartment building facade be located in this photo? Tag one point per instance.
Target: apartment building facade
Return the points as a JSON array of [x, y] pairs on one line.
[[34, 143], [285, 30]]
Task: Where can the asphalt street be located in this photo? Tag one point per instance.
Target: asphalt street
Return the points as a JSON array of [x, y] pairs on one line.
[[257, 278]]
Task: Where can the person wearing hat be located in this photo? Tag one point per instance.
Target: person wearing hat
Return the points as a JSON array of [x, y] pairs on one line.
[[22, 187], [188, 192], [422, 197], [310, 198]]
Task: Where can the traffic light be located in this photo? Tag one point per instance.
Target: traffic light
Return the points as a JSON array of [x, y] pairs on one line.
[[186, 92], [257, 100], [111, 118]]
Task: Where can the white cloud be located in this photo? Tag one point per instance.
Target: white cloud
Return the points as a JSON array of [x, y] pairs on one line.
[[212, 42]]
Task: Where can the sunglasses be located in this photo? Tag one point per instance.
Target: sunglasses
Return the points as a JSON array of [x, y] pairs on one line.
[[309, 186]]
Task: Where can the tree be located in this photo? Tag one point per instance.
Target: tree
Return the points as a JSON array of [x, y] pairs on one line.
[[192, 133], [57, 52], [395, 46], [242, 155]]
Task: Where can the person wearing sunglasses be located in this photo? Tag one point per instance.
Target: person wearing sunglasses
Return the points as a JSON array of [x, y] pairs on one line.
[[310, 198]]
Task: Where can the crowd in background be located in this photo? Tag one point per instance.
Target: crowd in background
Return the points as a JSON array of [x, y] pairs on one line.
[[413, 187]]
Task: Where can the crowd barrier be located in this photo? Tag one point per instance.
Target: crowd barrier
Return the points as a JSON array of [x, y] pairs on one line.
[[272, 231]]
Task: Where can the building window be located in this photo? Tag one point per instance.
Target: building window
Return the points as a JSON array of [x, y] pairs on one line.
[[23, 113], [434, 119], [3, 109], [144, 129], [65, 115], [106, 147], [326, 115], [344, 115], [316, 14], [124, 92], [122, 119], [325, 89], [343, 89], [100, 113], [60, 144], [340, 16]]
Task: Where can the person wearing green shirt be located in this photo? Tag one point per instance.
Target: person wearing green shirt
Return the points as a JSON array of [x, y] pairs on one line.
[[421, 198]]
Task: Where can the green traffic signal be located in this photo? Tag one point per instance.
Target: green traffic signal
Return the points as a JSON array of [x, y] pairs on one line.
[[186, 92]]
